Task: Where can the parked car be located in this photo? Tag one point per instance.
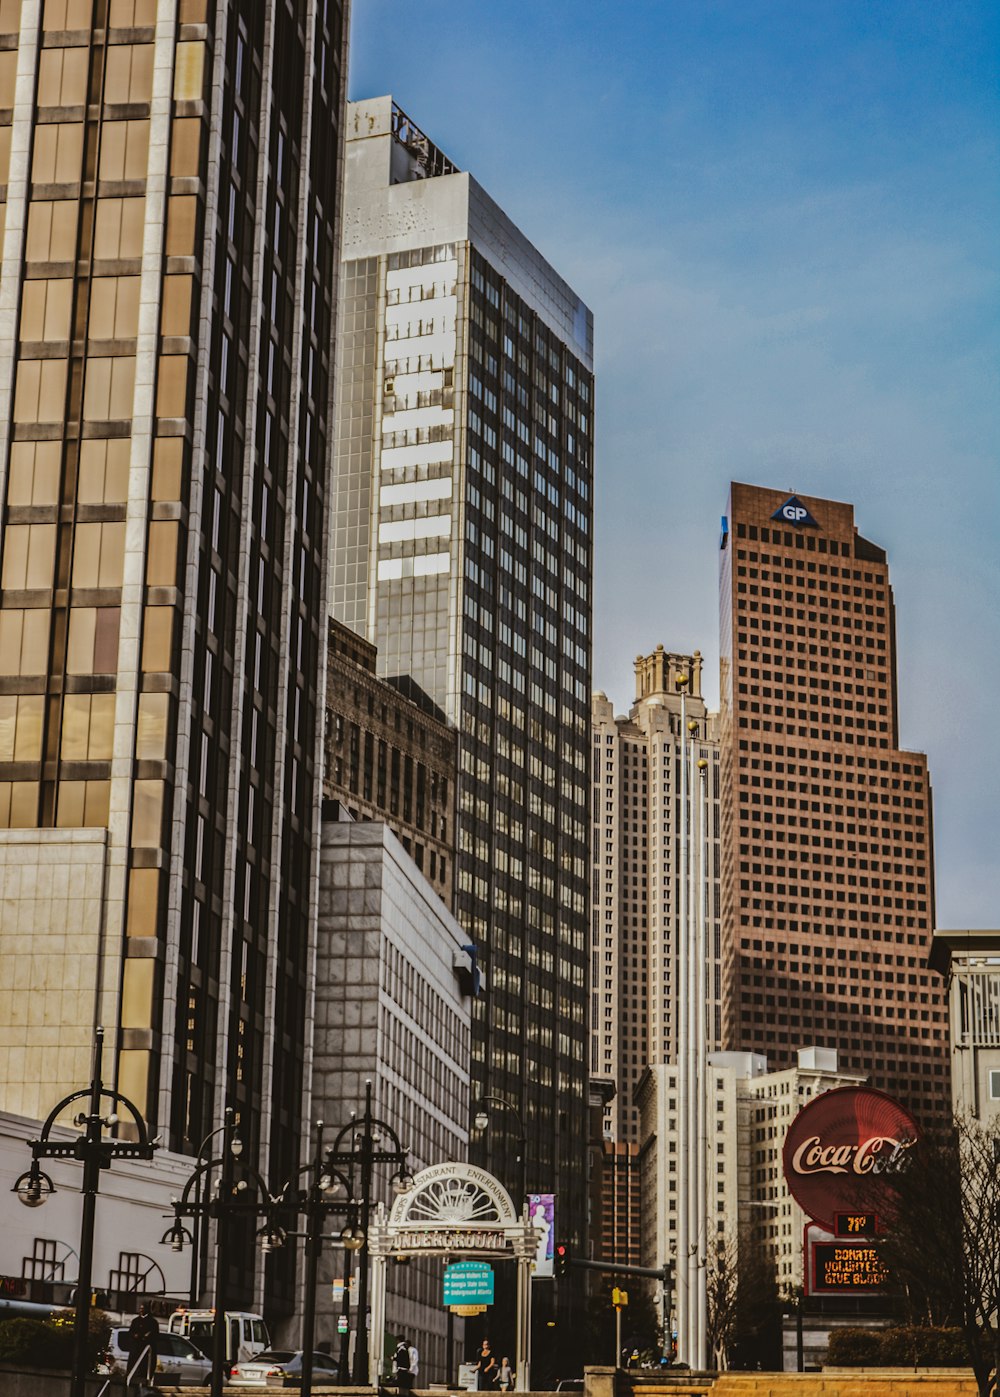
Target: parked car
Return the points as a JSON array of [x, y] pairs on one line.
[[178, 1362], [280, 1368]]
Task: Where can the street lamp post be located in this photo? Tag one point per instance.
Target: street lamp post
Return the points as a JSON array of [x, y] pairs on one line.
[[316, 1206], [243, 1196], [365, 1148], [95, 1152], [482, 1120]]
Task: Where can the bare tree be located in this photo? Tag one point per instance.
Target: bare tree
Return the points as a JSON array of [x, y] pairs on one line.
[[942, 1244], [722, 1283]]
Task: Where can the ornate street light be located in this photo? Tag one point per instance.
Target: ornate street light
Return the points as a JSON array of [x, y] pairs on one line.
[[366, 1143], [95, 1152], [482, 1119]]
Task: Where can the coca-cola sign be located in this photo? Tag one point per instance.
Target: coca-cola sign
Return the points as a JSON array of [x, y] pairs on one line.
[[840, 1144]]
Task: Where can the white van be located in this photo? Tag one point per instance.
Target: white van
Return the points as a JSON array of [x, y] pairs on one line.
[[246, 1334]]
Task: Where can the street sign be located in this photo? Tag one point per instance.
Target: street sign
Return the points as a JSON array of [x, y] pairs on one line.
[[466, 1310], [338, 1288], [341, 1324], [468, 1283]]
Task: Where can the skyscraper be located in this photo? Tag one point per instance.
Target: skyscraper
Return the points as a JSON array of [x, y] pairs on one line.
[[636, 932], [167, 293], [827, 880], [462, 549], [634, 938]]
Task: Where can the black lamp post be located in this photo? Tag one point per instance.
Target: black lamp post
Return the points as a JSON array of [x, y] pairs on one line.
[[363, 1144], [315, 1202], [240, 1192], [482, 1119], [95, 1152]]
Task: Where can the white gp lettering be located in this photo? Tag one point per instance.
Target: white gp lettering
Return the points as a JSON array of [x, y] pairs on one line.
[[793, 512]]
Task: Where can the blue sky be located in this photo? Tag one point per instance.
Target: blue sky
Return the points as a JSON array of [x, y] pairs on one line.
[[785, 219]]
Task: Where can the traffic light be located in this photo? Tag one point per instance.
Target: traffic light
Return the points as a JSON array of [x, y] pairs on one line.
[[562, 1260], [619, 1298]]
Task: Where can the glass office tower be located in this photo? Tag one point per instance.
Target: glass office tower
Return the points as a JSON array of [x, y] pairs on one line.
[[462, 549], [170, 177]]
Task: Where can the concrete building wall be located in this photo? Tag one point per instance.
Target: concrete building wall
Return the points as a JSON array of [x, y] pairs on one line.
[[969, 962], [39, 1246], [393, 1008]]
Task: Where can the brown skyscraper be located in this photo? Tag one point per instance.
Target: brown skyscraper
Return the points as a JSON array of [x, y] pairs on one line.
[[827, 865]]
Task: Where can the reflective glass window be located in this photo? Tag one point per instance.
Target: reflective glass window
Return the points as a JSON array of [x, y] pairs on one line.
[[82, 804], [108, 389], [24, 641], [114, 308], [129, 73], [66, 14], [52, 230], [29, 551], [98, 555], [21, 727], [103, 472], [151, 727], [40, 394], [118, 228], [57, 153], [46, 309], [182, 217], [161, 555], [143, 887], [88, 724], [33, 474], [18, 804], [157, 638], [92, 645], [62, 77], [124, 150]]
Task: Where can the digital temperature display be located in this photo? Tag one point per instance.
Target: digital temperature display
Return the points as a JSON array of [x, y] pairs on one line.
[[855, 1225]]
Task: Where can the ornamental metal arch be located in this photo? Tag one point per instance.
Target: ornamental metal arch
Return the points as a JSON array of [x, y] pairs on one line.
[[455, 1210]]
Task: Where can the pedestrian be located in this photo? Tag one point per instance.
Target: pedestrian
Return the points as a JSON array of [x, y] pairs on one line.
[[141, 1345], [506, 1376], [414, 1361], [401, 1363], [487, 1371]]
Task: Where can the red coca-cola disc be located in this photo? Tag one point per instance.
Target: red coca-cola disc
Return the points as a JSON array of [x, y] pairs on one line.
[[842, 1149]]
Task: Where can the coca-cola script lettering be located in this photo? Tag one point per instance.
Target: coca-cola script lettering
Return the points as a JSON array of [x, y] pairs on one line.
[[841, 1146], [879, 1154]]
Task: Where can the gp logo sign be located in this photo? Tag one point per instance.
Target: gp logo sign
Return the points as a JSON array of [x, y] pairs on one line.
[[793, 511]]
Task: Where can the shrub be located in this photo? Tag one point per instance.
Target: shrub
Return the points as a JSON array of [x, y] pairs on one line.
[[854, 1348], [48, 1343], [903, 1346], [919, 1346], [37, 1343]]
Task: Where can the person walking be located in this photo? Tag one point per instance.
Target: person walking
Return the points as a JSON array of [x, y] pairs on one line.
[[506, 1376], [414, 1353], [141, 1346], [401, 1363], [487, 1372]]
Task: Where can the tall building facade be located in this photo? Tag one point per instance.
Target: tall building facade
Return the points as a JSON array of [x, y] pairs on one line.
[[389, 759], [172, 179], [635, 926], [462, 550], [827, 880]]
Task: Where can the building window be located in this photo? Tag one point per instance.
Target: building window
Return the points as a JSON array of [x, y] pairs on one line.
[[994, 1078]]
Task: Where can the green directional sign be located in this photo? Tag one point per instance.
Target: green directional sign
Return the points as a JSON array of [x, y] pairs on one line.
[[468, 1283]]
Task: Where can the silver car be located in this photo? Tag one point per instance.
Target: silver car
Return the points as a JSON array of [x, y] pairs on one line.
[[280, 1368], [178, 1362]]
